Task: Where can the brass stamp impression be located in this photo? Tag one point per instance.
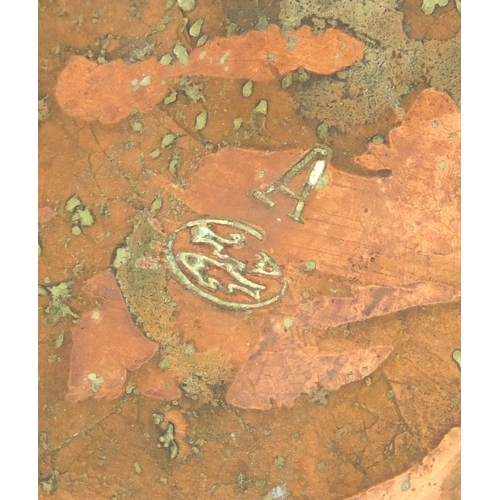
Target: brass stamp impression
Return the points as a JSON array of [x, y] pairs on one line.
[[218, 259]]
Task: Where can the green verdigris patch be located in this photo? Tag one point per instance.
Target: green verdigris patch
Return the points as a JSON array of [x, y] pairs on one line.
[[201, 121], [291, 42], [186, 5], [262, 23], [122, 256], [363, 92], [287, 81], [320, 396], [181, 53], [202, 40], [157, 203], [261, 107], [310, 265], [156, 153], [43, 108], [59, 295], [95, 381], [242, 481], [164, 364], [72, 203], [137, 126], [224, 57], [131, 389], [195, 29], [167, 441], [174, 163], [81, 216], [142, 274], [192, 91], [322, 131], [303, 75], [190, 349], [50, 485], [237, 122], [172, 97], [166, 60], [405, 485], [247, 89], [428, 6], [201, 373], [168, 139]]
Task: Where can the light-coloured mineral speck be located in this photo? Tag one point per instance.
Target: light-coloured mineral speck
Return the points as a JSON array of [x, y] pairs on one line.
[[157, 204], [155, 153], [291, 42], [303, 75], [322, 131], [85, 217], [310, 265], [95, 381], [166, 60], [261, 107], [287, 81], [170, 98], [237, 122], [428, 6], [168, 139], [187, 5], [247, 89], [201, 120], [202, 40], [181, 53], [224, 57], [135, 84], [137, 127], [122, 257], [195, 29], [72, 203]]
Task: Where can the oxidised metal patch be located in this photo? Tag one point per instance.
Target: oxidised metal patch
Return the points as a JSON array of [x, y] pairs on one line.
[[211, 260]]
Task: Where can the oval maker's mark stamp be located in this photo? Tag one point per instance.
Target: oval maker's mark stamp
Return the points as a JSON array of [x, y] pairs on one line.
[[217, 259]]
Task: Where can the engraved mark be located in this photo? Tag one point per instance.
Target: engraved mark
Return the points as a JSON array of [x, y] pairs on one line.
[[191, 268], [320, 154]]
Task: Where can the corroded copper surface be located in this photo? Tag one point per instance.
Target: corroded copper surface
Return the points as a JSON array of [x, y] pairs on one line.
[[249, 250]]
